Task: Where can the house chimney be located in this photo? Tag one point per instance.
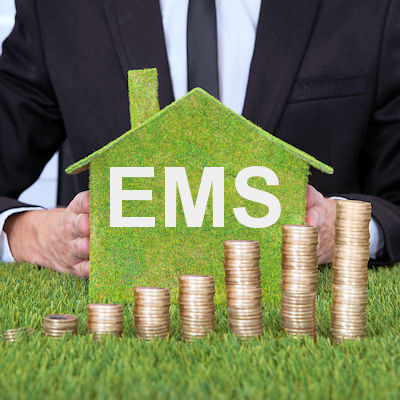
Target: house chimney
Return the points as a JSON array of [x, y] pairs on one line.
[[143, 95]]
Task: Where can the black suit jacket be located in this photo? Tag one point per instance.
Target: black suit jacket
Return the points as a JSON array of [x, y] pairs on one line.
[[325, 77]]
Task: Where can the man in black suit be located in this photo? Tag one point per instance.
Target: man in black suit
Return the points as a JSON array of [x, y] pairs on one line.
[[325, 77]]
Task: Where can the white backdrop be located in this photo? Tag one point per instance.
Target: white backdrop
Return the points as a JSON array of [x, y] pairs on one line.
[[44, 191]]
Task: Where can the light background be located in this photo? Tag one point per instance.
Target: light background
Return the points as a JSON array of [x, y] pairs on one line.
[[44, 191]]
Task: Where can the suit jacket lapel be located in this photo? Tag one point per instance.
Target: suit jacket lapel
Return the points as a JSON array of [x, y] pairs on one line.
[[137, 31], [283, 32]]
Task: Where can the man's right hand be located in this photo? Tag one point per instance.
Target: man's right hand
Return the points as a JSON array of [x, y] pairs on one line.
[[57, 239]]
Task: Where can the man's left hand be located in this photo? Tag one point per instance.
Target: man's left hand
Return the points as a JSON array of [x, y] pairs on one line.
[[321, 213]]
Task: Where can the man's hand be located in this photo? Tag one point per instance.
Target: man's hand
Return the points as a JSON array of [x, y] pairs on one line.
[[321, 213], [57, 239]]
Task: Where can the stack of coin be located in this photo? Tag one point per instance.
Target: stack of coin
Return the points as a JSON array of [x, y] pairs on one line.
[[243, 287], [196, 303], [57, 325], [350, 269], [151, 312], [299, 279], [105, 319], [13, 335]]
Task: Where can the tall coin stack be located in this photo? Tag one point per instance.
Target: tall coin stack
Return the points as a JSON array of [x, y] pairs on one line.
[[56, 325], [196, 303], [13, 335], [105, 319], [243, 287], [151, 312], [350, 270], [299, 279]]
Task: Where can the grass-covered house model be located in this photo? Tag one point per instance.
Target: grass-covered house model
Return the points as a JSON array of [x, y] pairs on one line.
[[194, 132]]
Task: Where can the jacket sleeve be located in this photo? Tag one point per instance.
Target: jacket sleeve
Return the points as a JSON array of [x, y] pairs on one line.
[[380, 161], [31, 127]]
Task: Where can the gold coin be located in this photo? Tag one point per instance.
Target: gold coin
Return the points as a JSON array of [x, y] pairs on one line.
[[196, 278], [245, 324], [236, 274], [298, 308], [104, 307], [58, 324], [245, 314], [302, 229], [241, 243], [197, 315], [152, 329], [248, 332]]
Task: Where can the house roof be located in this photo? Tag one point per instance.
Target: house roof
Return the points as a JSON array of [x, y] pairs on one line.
[[84, 163]]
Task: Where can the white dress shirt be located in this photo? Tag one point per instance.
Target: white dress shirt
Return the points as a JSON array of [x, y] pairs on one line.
[[237, 22]]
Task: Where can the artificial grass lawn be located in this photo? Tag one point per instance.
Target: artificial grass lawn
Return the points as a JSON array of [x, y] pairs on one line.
[[219, 367]]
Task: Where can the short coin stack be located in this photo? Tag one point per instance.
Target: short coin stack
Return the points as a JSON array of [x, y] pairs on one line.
[[13, 335], [196, 303], [243, 287], [151, 312], [350, 269], [299, 279], [105, 319], [57, 325]]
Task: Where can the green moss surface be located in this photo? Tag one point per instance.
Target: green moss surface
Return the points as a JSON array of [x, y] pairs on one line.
[[137, 119], [194, 132], [143, 95]]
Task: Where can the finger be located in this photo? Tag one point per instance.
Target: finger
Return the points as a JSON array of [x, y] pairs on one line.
[[313, 217], [80, 203], [324, 258], [309, 197], [80, 248], [80, 225], [81, 269], [313, 197]]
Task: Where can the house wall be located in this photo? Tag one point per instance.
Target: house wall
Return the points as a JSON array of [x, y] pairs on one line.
[[43, 192], [181, 137]]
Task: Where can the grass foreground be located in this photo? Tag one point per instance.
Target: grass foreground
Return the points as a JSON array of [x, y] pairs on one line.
[[219, 367]]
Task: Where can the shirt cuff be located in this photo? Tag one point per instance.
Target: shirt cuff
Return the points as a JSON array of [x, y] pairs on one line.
[[5, 252], [376, 240]]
